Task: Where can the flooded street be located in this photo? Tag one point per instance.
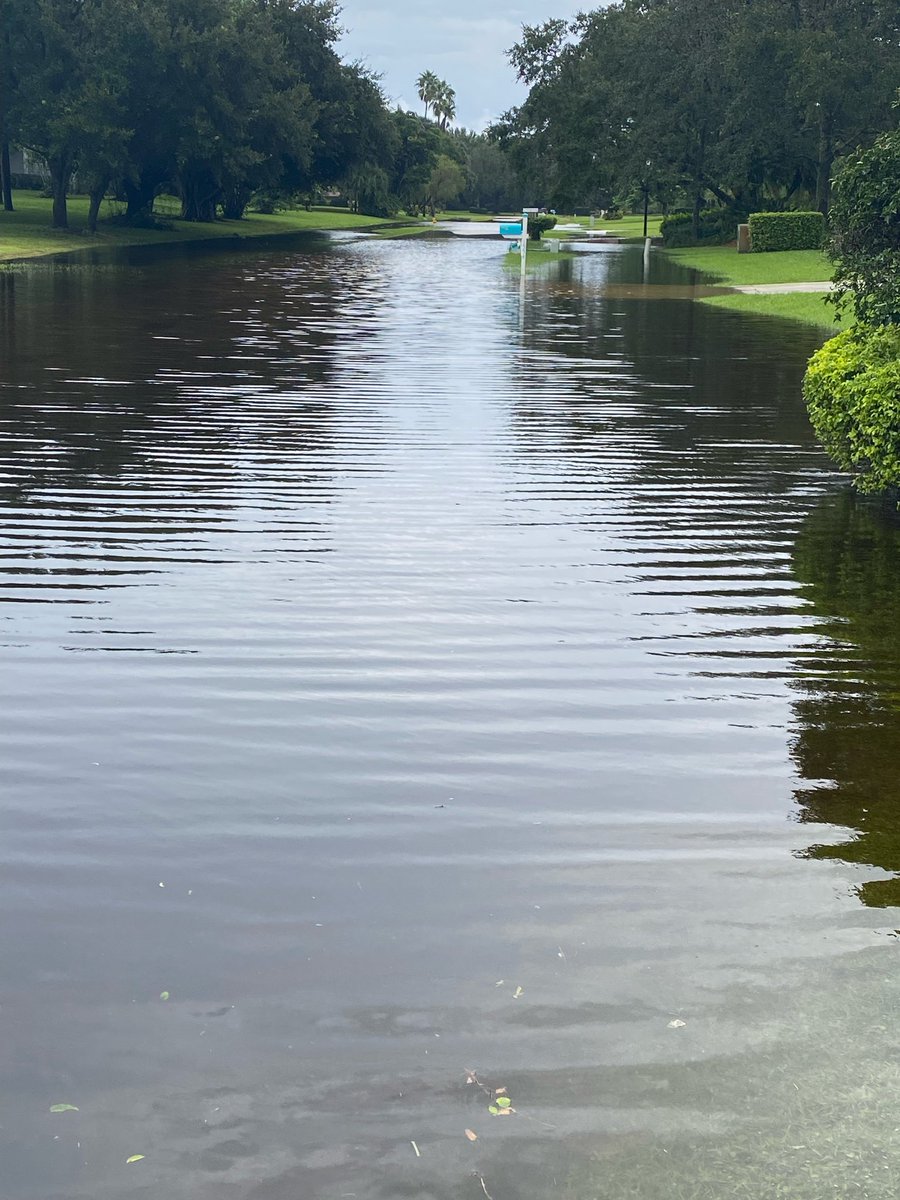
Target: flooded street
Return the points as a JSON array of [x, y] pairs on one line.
[[397, 686]]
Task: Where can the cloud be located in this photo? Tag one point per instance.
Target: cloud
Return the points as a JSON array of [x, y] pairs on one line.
[[467, 48]]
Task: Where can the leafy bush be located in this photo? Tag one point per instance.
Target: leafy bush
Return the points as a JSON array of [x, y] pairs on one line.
[[865, 244], [852, 391], [539, 223], [717, 226], [786, 231]]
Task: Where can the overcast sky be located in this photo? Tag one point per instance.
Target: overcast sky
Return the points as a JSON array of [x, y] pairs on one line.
[[463, 41]]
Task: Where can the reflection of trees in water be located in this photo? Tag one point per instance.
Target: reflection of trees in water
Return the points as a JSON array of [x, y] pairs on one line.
[[144, 410], [701, 392], [105, 367], [847, 742]]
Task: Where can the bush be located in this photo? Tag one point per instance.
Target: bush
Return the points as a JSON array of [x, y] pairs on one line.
[[786, 231], [717, 226], [852, 391], [539, 223], [865, 217]]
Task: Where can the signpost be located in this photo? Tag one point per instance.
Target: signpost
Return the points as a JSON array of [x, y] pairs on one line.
[[524, 245]]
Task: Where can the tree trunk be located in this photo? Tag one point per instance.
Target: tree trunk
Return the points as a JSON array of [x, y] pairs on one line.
[[823, 165], [695, 217], [60, 169], [199, 193], [138, 200], [6, 177], [98, 191], [234, 201]]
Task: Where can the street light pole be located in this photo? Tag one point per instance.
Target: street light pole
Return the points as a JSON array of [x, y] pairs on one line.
[[646, 189]]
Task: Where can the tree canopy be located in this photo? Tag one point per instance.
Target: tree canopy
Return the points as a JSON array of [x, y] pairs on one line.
[[747, 101], [221, 102]]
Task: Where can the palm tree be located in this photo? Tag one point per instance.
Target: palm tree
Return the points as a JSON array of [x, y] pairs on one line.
[[444, 103], [429, 87]]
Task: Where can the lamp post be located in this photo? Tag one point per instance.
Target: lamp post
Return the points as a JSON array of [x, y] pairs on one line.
[[645, 187]]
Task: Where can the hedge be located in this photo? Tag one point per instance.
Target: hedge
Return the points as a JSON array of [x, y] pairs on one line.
[[787, 231], [852, 391], [717, 226]]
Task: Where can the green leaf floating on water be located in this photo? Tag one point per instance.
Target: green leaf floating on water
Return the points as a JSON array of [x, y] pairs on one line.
[[163, 995], [503, 1102], [63, 1108], [134, 1158]]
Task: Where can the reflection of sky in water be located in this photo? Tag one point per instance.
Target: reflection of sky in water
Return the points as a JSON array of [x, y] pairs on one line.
[[424, 658]]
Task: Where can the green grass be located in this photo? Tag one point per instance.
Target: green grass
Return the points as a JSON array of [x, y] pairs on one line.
[[538, 256], [808, 307], [26, 233], [631, 227], [723, 264], [728, 267]]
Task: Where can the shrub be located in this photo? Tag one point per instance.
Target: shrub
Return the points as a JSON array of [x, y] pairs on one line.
[[865, 218], [539, 223], [787, 231], [852, 391], [717, 226]]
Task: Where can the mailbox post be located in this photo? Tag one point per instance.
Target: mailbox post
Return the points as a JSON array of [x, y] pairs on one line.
[[524, 248]]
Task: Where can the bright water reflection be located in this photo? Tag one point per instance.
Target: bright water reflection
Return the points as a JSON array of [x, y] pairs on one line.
[[367, 658]]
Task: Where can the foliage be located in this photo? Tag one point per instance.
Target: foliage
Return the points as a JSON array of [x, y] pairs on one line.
[[539, 224], [786, 231], [216, 100], [724, 265], [865, 242], [446, 181], [747, 103], [438, 95], [716, 227], [852, 391]]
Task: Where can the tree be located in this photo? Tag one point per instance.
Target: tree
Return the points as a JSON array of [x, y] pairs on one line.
[[748, 103], [428, 86], [865, 242], [446, 181], [444, 104]]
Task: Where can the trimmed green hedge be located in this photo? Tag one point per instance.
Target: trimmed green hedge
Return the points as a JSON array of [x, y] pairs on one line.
[[717, 226], [852, 391], [787, 231]]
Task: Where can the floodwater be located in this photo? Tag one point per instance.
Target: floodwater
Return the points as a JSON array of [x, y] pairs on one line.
[[399, 688]]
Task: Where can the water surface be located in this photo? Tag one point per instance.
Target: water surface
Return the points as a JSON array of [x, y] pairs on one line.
[[406, 685]]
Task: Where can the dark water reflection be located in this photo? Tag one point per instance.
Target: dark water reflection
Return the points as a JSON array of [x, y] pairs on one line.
[[847, 745], [403, 687]]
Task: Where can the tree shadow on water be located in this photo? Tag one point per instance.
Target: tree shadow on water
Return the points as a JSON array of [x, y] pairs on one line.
[[847, 739]]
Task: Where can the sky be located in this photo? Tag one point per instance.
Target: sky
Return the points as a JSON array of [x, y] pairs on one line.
[[464, 42]]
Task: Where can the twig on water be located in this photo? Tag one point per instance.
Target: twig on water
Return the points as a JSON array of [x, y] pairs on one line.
[[480, 1179]]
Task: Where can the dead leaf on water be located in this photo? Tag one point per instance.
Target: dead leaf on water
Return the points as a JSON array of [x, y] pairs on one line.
[[676, 1024], [471, 1135], [63, 1108], [517, 993], [134, 1158], [500, 1091]]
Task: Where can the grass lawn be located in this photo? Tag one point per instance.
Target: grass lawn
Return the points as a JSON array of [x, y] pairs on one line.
[[728, 267], [723, 264], [538, 255], [808, 307], [26, 233], [631, 226]]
